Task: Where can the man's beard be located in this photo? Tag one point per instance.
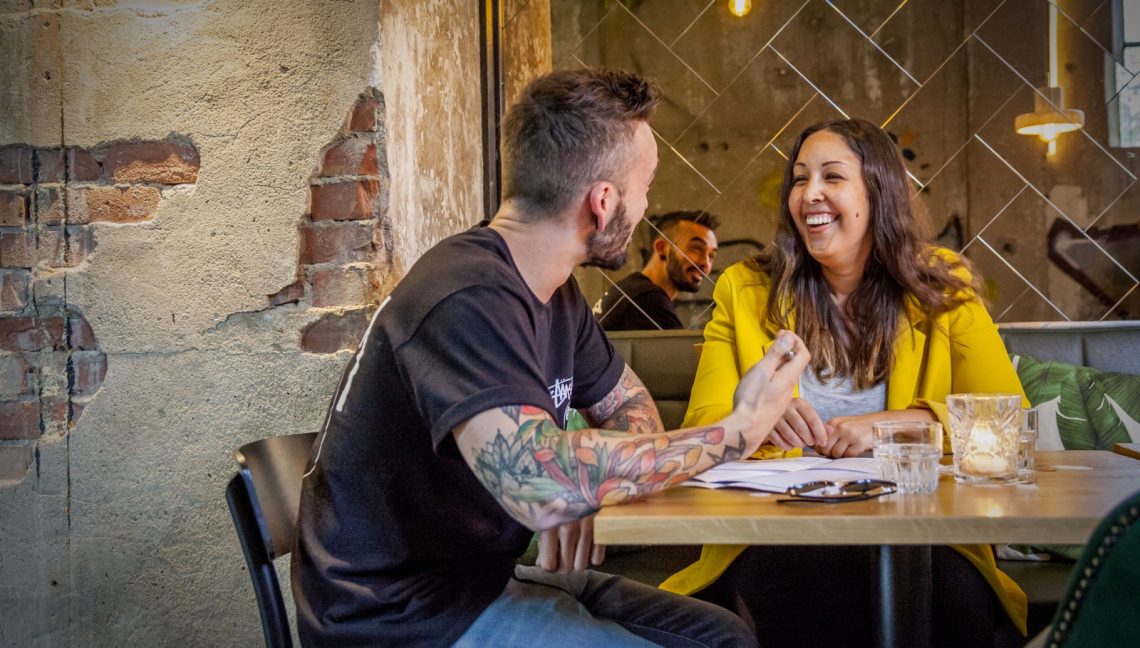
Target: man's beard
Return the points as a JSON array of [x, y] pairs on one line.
[[677, 268], [607, 249]]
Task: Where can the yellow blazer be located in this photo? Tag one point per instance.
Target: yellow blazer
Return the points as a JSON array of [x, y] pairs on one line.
[[957, 351]]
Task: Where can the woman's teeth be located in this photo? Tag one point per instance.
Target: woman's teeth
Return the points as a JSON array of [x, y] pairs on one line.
[[819, 219]]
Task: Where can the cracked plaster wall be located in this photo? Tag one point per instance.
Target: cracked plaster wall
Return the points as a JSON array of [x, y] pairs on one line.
[[118, 534]]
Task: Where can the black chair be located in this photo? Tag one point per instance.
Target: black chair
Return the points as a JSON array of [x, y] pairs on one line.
[[1102, 604], [264, 497]]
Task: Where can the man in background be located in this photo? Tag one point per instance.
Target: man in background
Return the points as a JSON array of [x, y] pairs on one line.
[[684, 246]]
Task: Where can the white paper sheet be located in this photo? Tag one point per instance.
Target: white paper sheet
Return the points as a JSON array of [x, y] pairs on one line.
[[777, 475]]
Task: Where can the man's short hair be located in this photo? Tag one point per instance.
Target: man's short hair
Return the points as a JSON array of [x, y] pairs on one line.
[[568, 129], [666, 224]]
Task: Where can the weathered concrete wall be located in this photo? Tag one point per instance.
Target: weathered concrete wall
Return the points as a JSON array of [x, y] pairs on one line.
[[326, 158], [1051, 234], [430, 68]]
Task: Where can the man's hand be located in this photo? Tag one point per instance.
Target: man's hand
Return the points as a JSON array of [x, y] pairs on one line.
[[799, 427], [569, 547], [764, 392]]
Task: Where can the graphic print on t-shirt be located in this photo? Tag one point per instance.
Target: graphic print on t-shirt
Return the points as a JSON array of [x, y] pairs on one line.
[[560, 391]]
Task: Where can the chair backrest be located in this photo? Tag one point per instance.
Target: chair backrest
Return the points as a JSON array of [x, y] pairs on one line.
[[1101, 606], [666, 361], [1105, 346], [264, 498]]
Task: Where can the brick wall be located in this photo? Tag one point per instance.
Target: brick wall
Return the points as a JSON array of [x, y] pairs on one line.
[[344, 261], [50, 362]]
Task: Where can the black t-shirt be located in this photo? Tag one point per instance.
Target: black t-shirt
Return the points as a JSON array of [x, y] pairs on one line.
[[398, 542], [636, 304]]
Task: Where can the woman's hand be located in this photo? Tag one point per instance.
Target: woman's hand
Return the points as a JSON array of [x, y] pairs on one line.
[[799, 427], [848, 436]]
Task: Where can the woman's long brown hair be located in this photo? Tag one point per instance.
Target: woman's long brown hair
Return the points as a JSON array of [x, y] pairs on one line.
[[858, 341]]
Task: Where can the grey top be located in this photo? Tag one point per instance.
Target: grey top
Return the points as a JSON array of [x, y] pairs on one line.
[[839, 397]]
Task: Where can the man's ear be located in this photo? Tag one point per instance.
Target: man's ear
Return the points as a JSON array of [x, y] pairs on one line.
[[660, 247], [603, 198]]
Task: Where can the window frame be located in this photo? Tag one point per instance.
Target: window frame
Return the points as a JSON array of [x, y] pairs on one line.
[[1115, 95]]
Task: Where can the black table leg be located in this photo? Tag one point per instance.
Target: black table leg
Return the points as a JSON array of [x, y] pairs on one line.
[[905, 614]]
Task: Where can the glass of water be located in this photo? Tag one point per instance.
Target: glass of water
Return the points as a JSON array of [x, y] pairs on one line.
[[1027, 448], [908, 453]]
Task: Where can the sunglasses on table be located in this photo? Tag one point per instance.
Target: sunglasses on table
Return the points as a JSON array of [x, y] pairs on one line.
[[833, 492]]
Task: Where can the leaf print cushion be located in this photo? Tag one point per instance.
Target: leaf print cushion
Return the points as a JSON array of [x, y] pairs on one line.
[[1080, 408]]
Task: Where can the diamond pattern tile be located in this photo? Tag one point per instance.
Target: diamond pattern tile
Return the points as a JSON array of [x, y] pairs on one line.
[[1053, 235]]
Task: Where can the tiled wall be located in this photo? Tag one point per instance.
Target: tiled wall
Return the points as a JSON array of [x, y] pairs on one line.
[[1056, 236]]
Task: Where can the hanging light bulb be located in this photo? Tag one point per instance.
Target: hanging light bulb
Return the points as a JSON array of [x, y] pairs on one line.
[[1050, 118], [739, 8]]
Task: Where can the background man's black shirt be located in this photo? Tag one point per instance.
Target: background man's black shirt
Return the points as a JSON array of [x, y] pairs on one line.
[[635, 304]]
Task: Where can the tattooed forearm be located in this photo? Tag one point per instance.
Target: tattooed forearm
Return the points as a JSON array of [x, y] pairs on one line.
[[628, 407], [545, 475]]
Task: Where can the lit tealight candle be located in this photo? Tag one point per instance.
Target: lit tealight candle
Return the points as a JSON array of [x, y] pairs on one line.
[[982, 454]]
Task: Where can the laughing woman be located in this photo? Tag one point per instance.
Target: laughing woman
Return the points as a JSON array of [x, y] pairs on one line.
[[894, 324]]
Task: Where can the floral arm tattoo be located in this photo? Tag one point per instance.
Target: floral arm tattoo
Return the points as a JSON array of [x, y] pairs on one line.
[[545, 476], [628, 407]]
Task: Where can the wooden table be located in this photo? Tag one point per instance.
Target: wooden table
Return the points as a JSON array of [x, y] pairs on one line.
[[1074, 491]]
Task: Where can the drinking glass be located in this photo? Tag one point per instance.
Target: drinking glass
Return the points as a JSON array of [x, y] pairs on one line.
[[984, 430], [1027, 448], [908, 453]]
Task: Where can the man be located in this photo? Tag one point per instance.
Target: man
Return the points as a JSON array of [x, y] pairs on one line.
[[444, 448], [684, 247]]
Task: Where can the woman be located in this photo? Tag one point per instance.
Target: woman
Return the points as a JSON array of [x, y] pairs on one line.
[[893, 324]]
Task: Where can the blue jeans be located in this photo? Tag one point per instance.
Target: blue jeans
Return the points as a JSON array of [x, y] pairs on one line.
[[589, 608]]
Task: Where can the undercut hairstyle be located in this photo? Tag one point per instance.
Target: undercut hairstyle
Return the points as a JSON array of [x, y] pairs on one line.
[[569, 129], [857, 342], [667, 224]]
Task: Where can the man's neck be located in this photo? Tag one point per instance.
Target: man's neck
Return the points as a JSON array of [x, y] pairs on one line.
[[545, 251], [657, 273]]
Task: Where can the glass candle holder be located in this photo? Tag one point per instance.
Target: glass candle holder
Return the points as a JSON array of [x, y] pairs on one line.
[[984, 430]]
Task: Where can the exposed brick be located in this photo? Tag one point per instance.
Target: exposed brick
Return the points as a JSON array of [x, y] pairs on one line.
[[65, 247], [164, 162], [55, 415], [82, 166], [21, 419], [364, 116], [31, 333], [13, 375], [335, 331], [15, 463], [290, 294], [15, 165], [82, 338], [14, 287], [47, 165], [13, 209], [49, 373], [346, 200], [17, 249], [76, 409], [114, 204], [90, 367], [49, 207], [337, 243], [355, 156], [350, 286]]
